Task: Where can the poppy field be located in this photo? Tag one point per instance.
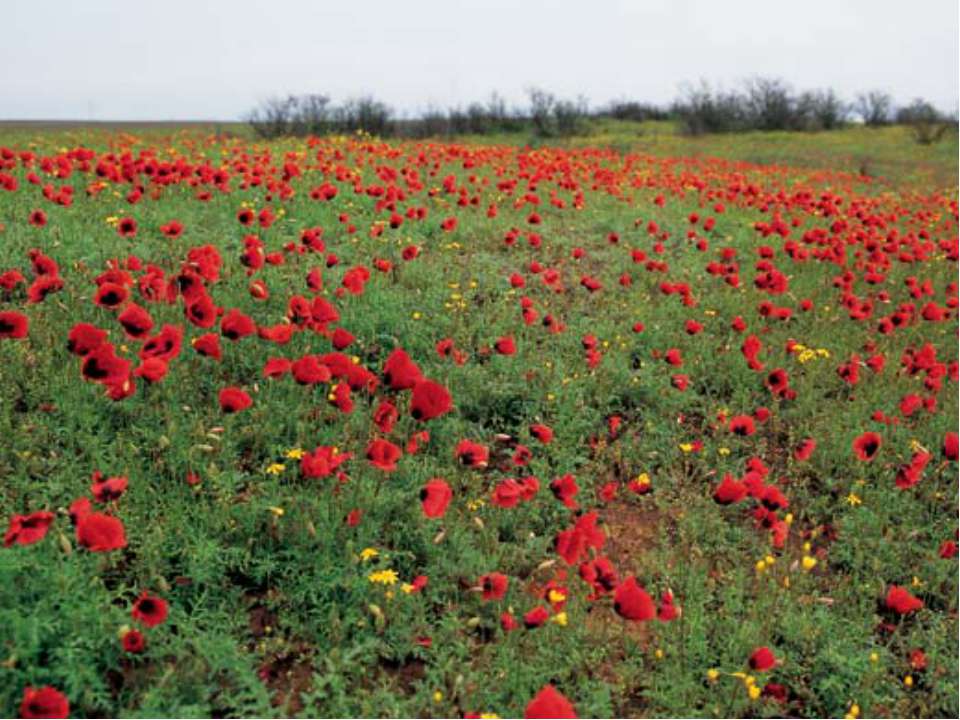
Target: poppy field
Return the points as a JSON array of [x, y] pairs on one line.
[[343, 427]]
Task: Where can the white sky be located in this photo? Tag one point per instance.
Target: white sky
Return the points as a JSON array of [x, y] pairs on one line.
[[215, 59]]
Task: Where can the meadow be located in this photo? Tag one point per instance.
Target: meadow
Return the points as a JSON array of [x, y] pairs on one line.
[[628, 425]]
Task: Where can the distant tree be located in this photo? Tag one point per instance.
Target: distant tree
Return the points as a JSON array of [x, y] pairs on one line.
[[769, 104], [820, 110], [874, 107], [926, 124]]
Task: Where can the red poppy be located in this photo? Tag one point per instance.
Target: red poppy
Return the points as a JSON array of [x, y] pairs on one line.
[[901, 601], [234, 400], [98, 532], [536, 617], [742, 425], [632, 602], [435, 497], [762, 659], [400, 372], [208, 345], [110, 295], [102, 365], [127, 227], [867, 445], [236, 325], [385, 416], [172, 229], [341, 339], [494, 585], [549, 703], [13, 325], [28, 529], [308, 370], [950, 446], [107, 489], [729, 491], [45, 702], [565, 489], [507, 494], [505, 346], [38, 218], [149, 610], [135, 321], [429, 400], [383, 455], [133, 642], [472, 454]]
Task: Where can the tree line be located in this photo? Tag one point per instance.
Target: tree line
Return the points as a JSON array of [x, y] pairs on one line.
[[758, 104]]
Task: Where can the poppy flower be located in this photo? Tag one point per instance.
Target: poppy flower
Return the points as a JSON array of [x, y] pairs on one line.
[[44, 702], [28, 529], [542, 433], [564, 489], [632, 602], [236, 325], [400, 372], [729, 491], [507, 494], [536, 617], [110, 295], [505, 346], [385, 416], [383, 455], [472, 454], [13, 325], [208, 345], [322, 462], [742, 425], [341, 339], [98, 532], [429, 400], [102, 365], [494, 586], [549, 703], [107, 489], [762, 659], [201, 312], [805, 449], [165, 345], [234, 400], [901, 601], [866, 446], [127, 227], [136, 321], [950, 446], [435, 497], [308, 370], [149, 610], [133, 642]]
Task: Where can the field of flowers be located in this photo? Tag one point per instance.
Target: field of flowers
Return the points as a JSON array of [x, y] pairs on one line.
[[338, 427]]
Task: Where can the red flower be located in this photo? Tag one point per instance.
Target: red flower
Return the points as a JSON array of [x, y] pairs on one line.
[[236, 325], [208, 345], [762, 659], [564, 489], [308, 370], [867, 445], [322, 461], [507, 494], [45, 702], [435, 497], [133, 642], [505, 346], [742, 425], [400, 372], [98, 532], [109, 489], [103, 366], [13, 325], [38, 218], [110, 295], [136, 321], [632, 602], [28, 529], [385, 416], [536, 617], [549, 703], [149, 610], [429, 400], [472, 454], [383, 455], [900, 601], [950, 448], [542, 433], [494, 585], [729, 491], [234, 400], [127, 227]]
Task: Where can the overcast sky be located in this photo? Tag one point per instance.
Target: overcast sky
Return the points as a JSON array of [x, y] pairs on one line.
[[215, 59]]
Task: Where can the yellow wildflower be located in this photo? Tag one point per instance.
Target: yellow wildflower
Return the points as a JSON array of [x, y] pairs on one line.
[[368, 553], [383, 577]]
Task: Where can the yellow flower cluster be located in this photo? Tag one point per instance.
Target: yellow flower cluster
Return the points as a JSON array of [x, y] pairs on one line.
[[806, 354]]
